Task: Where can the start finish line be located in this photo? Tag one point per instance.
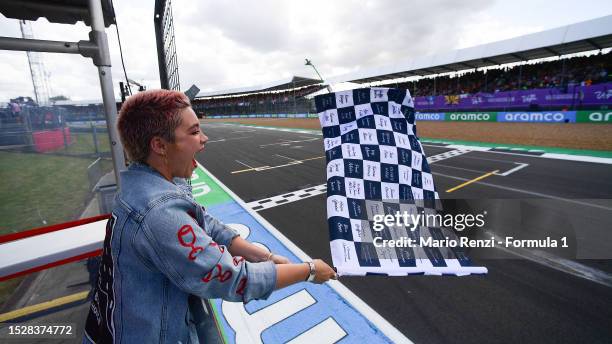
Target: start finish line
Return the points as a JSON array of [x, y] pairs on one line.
[[301, 313]]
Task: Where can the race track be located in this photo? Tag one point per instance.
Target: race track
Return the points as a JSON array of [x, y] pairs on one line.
[[281, 174]]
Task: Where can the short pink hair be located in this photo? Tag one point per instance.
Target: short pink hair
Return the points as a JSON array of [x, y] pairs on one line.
[[146, 115]]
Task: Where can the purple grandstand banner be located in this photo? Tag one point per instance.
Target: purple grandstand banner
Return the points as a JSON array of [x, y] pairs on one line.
[[600, 94]]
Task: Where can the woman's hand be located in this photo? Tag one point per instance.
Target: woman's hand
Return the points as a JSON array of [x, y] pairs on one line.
[[323, 272]]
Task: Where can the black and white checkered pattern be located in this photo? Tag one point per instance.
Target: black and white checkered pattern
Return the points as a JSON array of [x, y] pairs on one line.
[[294, 196], [376, 165]]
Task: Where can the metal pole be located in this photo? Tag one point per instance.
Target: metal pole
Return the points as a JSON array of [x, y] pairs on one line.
[[94, 136], [309, 63], [29, 135], [562, 73], [434, 86], [106, 85], [458, 88], [160, 7], [63, 127], [24, 44]]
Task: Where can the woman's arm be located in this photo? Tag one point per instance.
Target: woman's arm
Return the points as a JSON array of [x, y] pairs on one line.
[[253, 253], [286, 273]]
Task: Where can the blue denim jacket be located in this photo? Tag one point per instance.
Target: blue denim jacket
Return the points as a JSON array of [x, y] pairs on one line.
[[161, 246]]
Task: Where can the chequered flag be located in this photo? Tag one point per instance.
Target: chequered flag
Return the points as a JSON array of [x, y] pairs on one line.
[[376, 166]]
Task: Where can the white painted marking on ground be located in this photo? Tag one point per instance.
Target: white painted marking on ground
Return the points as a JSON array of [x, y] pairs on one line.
[[489, 159], [469, 148], [446, 155], [230, 139], [507, 173], [578, 158], [286, 157], [288, 197], [265, 168], [326, 332], [241, 163], [461, 168], [288, 142], [249, 327]]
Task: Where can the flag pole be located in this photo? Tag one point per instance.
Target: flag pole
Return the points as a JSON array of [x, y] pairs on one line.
[[309, 63]]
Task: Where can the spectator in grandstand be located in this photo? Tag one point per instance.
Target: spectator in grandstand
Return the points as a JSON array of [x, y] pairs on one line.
[[581, 70], [161, 246]]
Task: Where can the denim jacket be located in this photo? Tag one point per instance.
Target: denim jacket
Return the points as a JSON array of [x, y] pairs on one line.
[[160, 247]]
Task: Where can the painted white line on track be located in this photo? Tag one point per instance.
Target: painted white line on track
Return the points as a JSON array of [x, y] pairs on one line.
[[461, 168], [230, 139], [265, 168], [286, 157], [389, 330], [288, 197], [582, 158], [288, 142], [241, 163], [446, 155], [519, 167], [470, 148]]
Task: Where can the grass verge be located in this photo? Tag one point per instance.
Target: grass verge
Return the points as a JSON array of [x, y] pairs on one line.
[[39, 190]]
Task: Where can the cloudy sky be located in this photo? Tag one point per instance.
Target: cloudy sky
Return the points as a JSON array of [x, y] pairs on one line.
[[239, 43]]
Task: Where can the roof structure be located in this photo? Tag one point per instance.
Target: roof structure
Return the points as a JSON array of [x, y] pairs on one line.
[[292, 82], [584, 36], [86, 102], [56, 11]]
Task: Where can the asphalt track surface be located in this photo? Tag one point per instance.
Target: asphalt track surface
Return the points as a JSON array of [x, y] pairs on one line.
[[518, 300]]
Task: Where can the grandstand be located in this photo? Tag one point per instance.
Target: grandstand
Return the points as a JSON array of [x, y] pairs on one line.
[[568, 78], [563, 73], [279, 97]]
